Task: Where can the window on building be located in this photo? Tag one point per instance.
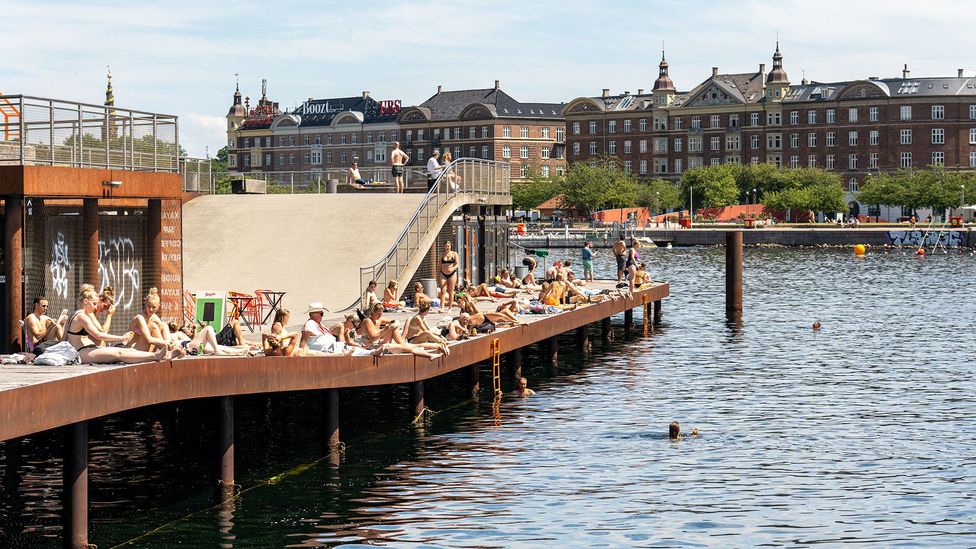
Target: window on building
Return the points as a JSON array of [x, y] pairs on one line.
[[308, 158], [794, 161], [457, 133], [628, 167], [972, 112], [523, 132], [829, 164], [852, 184], [873, 114], [369, 156], [694, 144], [794, 140], [713, 121], [905, 137], [774, 141], [852, 139], [660, 145], [507, 151], [545, 151], [380, 156], [972, 159], [676, 123], [852, 114], [694, 163], [232, 160], [328, 157], [355, 138], [716, 144], [419, 154], [545, 133], [523, 152], [627, 126], [811, 117], [642, 124], [627, 147], [794, 118], [560, 134], [852, 162], [247, 142], [905, 112], [343, 138], [611, 126], [938, 158], [972, 136], [544, 170], [642, 170], [247, 161], [732, 143], [506, 131], [523, 171], [774, 118], [642, 146], [938, 112], [733, 121], [831, 116], [484, 133], [484, 151], [938, 136], [906, 160], [661, 166], [660, 123], [811, 139], [677, 165], [592, 147], [281, 141], [612, 147], [831, 139], [812, 161], [873, 161], [576, 128], [714, 161], [592, 127], [754, 161], [873, 137], [291, 159], [267, 159], [576, 148], [753, 141], [369, 137], [754, 119], [695, 122], [393, 135]]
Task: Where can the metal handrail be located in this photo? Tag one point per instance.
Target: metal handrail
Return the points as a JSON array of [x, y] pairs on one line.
[[486, 177]]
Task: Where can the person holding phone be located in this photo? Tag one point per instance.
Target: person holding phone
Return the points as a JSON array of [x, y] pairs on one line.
[[40, 327]]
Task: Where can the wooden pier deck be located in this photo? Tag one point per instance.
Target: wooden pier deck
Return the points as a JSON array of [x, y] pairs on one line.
[[38, 398]]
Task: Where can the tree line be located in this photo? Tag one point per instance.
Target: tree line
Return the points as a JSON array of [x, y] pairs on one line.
[[933, 188]]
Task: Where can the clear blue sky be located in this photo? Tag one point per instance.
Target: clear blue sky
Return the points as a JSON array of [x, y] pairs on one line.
[[179, 57]]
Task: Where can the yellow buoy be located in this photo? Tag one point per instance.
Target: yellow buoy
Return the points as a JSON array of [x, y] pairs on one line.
[[860, 249]]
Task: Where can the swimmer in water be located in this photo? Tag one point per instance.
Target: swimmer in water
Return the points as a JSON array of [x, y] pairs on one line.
[[674, 431], [522, 388], [816, 326]]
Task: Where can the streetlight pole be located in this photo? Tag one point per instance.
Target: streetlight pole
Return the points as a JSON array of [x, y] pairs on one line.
[[755, 197], [691, 204]]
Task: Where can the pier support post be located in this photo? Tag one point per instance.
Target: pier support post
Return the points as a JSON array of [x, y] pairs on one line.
[[471, 381], [550, 351], [13, 261], [225, 446], [582, 338], [605, 330], [416, 399], [514, 359], [628, 320], [733, 274], [75, 488], [332, 419], [658, 313]]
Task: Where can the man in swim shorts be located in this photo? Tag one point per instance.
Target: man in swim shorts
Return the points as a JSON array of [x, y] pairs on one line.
[[620, 252], [398, 159]]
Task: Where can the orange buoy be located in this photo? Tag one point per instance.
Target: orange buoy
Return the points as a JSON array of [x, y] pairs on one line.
[[860, 249], [921, 251]]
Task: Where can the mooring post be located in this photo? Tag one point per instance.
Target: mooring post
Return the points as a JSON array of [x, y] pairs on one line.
[[75, 488], [225, 446], [605, 330], [733, 274], [416, 399], [628, 320], [582, 338], [332, 419], [658, 313], [514, 360], [471, 381]]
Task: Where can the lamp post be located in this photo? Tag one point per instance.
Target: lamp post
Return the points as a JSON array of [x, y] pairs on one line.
[[755, 197], [691, 203]]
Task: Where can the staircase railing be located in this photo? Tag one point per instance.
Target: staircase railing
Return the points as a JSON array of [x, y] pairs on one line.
[[463, 176]]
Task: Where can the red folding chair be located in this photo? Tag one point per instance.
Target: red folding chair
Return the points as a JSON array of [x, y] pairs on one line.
[[261, 303], [250, 311], [189, 307]]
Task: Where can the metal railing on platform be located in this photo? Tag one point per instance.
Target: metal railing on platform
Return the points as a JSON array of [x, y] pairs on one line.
[[462, 176], [51, 132], [316, 181], [197, 176]]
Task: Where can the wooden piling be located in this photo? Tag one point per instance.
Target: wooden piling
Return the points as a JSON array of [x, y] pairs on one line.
[[75, 487], [416, 399], [225, 446], [605, 331], [733, 274], [472, 382], [332, 419]]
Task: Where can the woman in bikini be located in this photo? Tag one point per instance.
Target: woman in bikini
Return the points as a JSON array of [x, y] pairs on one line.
[[150, 332], [493, 319], [280, 342], [374, 331], [633, 258], [416, 329], [448, 274], [81, 332]]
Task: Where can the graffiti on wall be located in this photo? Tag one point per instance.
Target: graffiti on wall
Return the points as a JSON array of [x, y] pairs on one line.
[[60, 264], [118, 267], [919, 238]]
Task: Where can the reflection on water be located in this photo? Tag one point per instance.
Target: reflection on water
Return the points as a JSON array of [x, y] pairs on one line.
[[858, 433]]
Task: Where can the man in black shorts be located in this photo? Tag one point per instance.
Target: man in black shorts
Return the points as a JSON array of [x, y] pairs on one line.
[[398, 159], [620, 253]]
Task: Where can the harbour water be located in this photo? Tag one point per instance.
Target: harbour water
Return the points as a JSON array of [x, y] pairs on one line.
[[860, 433]]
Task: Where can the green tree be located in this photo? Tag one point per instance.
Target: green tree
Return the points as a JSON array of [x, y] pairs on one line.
[[535, 190], [713, 186], [658, 195]]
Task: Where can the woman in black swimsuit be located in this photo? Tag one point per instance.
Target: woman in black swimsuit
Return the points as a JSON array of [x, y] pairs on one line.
[[448, 272], [81, 330]]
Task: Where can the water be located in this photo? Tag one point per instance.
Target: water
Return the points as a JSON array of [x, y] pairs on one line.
[[861, 433]]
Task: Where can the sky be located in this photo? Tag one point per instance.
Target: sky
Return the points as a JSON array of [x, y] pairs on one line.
[[180, 57]]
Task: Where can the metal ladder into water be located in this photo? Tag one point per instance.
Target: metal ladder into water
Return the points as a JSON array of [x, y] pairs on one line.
[[938, 240]]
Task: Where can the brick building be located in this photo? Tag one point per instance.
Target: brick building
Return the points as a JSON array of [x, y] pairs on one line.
[[855, 128], [486, 123]]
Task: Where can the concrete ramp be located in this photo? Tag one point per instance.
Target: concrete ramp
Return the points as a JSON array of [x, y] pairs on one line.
[[310, 246]]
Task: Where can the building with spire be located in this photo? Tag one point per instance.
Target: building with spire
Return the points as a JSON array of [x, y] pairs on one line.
[[855, 128], [111, 130]]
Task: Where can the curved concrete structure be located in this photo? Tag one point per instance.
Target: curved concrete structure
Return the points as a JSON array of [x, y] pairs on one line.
[[309, 245]]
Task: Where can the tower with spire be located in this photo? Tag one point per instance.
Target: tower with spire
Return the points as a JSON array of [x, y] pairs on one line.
[[111, 129], [664, 91], [777, 82], [235, 115]]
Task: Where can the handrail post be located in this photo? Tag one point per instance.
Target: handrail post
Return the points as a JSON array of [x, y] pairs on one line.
[[50, 111]]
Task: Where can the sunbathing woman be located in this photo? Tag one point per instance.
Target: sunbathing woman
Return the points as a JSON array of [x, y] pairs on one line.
[[374, 331], [466, 303], [490, 294], [505, 279], [280, 342], [106, 302], [150, 332], [500, 317], [448, 275], [416, 329], [390, 295], [81, 331], [205, 339], [550, 295]]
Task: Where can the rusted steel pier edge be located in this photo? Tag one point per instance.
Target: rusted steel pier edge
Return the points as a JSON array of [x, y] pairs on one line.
[[39, 407]]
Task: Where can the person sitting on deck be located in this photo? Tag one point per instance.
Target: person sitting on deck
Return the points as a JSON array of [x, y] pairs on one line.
[[315, 336], [150, 331], [507, 280], [390, 295], [232, 336], [641, 277], [551, 296], [81, 332], [452, 330], [106, 303], [485, 322], [531, 263], [280, 342], [40, 327], [204, 339], [374, 331], [416, 329], [369, 297], [354, 176]]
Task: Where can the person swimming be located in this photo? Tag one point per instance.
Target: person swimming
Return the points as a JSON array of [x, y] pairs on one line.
[[674, 431], [522, 388]]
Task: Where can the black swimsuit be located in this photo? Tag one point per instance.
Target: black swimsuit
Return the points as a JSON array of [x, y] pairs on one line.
[[82, 333], [452, 261]]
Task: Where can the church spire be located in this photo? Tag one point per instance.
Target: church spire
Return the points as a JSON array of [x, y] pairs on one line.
[[778, 74], [109, 95], [663, 82]]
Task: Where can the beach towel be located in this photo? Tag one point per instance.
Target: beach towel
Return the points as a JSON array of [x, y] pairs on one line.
[[60, 354]]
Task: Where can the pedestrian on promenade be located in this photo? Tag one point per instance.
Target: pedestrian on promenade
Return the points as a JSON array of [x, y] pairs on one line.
[[587, 254], [398, 159]]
